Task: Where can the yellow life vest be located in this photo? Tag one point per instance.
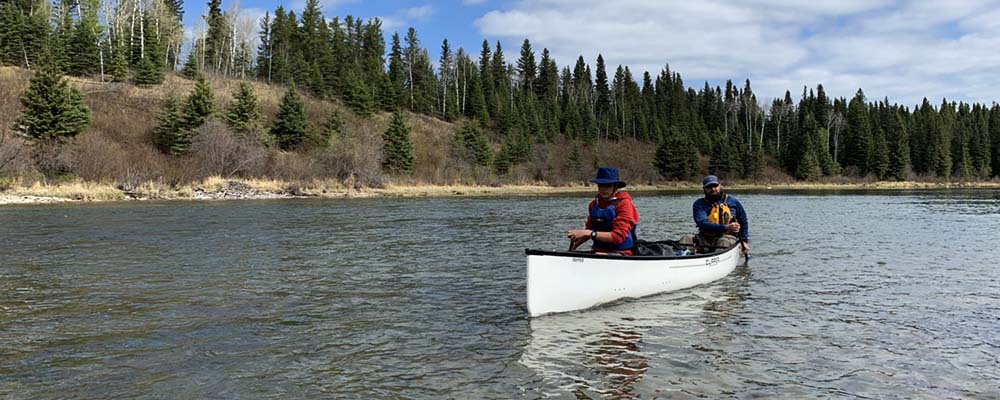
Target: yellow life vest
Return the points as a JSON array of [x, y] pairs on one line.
[[720, 213]]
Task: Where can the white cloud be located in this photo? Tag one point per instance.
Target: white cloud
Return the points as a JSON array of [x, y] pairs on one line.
[[404, 18], [418, 13], [328, 7], [901, 49], [390, 24]]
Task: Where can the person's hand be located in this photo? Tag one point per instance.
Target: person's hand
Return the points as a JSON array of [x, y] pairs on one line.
[[733, 228], [746, 247], [578, 235]]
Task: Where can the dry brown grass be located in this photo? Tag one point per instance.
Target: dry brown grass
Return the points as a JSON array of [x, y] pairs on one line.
[[77, 190]]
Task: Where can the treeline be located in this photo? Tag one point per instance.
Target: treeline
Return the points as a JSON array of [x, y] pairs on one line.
[[515, 105]]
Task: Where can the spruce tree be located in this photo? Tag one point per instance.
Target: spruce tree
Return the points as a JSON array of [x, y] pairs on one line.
[[170, 135], [243, 116], [808, 168], [289, 128], [397, 148], [602, 106], [721, 160], [473, 144], [527, 68], [119, 65], [332, 127], [148, 72], [859, 139], [826, 161], [899, 149], [200, 105], [87, 32], [994, 138], [52, 110], [878, 162], [676, 157], [360, 97], [215, 39], [396, 74], [264, 48], [191, 69]]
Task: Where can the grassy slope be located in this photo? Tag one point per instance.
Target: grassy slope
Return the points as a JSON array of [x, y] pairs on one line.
[[117, 146]]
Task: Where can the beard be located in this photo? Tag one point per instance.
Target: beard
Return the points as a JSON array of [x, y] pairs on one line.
[[713, 198]]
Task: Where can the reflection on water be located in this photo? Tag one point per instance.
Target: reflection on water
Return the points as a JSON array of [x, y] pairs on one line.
[[607, 351]]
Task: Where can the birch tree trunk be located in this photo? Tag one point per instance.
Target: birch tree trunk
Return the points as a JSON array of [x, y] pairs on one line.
[[131, 28], [142, 32]]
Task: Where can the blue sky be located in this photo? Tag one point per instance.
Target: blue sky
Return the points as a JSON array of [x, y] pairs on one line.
[[903, 50]]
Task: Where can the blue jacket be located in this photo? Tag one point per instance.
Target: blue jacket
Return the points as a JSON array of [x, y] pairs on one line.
[[702, 207]]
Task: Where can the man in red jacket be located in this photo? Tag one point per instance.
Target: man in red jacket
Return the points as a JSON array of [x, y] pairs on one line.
[[611, 219]]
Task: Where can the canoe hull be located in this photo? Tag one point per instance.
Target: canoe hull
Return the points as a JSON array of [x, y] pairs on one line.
[[564, 281]]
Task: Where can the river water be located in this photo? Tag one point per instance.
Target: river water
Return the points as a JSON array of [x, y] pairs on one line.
[[848, 295]]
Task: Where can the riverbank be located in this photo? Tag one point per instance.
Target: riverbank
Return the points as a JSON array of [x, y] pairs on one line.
[[242, 189]]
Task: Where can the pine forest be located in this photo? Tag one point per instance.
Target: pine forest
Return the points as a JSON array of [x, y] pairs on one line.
[[110, 91]]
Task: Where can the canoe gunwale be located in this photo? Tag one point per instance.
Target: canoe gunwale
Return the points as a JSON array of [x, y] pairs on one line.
[[585, 254]]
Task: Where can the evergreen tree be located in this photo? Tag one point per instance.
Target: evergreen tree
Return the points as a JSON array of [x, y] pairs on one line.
[[360, 97], [602, 106], [446, 66], [899, 149], [979, 143], [289, 128], [148, 72], [826, 161], [994, 134], [264, 49], [722, 161], [396, 71], [20, 40], [119, 65], [52, 110], [547, 85], [878, 163], [756, 161], [87, 33], [332, 127], [397, 148], [243, 116], [527, 68], [676, 157], [170, 135], [60, 43], [473, 145], [200, 105], [859, 139], [215, 38], [486, 84], [191, 69], [808, 168]]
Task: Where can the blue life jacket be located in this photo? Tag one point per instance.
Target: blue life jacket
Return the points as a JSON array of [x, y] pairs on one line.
[[600, 220]]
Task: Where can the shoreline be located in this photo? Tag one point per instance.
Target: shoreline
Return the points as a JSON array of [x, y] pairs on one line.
[[239, 189]]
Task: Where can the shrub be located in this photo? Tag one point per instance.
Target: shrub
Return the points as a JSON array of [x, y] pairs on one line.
[[215, 151]]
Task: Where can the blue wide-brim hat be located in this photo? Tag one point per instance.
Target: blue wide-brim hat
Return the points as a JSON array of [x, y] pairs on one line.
[[608, 176]]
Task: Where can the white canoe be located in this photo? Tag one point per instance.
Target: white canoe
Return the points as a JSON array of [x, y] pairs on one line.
[[560, 281]]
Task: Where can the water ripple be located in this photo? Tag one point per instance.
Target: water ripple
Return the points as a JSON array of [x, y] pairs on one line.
[[845, 297]]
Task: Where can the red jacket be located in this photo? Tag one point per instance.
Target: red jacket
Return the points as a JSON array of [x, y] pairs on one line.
[[626, 218]]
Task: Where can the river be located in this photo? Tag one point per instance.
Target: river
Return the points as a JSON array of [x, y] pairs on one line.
[[848, 295]]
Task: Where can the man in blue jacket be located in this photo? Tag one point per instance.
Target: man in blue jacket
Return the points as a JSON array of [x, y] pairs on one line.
[[721, 220]]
